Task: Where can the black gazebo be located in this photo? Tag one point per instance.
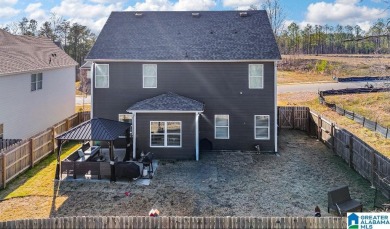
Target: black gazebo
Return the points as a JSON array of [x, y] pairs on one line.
[[96, 129]]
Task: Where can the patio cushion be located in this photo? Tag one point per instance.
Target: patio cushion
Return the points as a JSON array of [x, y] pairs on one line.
[[81, 153]]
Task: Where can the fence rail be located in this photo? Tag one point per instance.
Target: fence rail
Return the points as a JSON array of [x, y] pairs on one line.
[[164, 222], [361, 157], [24, 154], [367, 123]]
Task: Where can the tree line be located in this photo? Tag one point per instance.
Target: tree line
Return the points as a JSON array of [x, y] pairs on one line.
[[75, 39], [339, 39]]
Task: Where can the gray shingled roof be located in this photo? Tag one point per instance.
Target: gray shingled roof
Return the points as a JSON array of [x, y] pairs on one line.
[[98, 129], [167, 102], [214, 35], [27, 54]]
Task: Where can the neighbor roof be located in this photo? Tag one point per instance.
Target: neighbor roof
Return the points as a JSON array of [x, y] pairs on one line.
[[210, 35], [167, 102], [98, 129], [20, 54]]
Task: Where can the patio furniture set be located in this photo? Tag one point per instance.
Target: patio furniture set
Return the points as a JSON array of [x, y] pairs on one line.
[[89, 162]]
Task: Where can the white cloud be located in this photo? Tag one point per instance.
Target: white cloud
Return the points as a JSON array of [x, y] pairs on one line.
[[8, 12], [8, 2], [79, 9], [165, 5], [342, 12], [241, 4], [35, 12]]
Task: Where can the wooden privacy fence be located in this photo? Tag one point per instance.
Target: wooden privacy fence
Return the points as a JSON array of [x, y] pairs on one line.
[[361, 157], [367, 123], [25, 154], [142, 222]]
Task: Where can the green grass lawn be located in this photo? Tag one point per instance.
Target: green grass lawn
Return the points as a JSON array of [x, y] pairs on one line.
[[39, 180]]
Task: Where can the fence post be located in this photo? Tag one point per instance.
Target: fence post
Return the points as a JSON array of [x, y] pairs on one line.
[[373, 166], [376, 123], [364, 120], [351, 151], [31, 145], [353, 115], [332, 128], [319, 130], [293, 118], [4, 171], [53, 130], [67, 124], [387, 132], [308, 121]]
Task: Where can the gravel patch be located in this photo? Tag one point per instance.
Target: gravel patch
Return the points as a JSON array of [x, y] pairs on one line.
[[291, 183]]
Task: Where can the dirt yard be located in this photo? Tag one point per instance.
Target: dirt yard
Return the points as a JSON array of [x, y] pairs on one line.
[[291, 183]]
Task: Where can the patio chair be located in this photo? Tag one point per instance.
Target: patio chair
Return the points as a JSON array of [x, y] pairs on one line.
[[340, 200]]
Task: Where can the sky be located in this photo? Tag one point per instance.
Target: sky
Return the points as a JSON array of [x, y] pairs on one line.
[[94, 13]]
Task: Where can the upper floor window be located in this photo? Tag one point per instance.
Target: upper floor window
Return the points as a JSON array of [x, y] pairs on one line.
[[102, 76], [36, 81], [165, 134], [262, 127], [149, 73], [256, 76], [221, 126]]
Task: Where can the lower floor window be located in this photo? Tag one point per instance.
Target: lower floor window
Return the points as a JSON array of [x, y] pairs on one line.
[[165, 134], [262, 128], [221, 126]]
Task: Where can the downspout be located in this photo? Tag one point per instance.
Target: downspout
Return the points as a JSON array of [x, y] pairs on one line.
[[92, 86], [276, 107], [197, 136], [134, 134]]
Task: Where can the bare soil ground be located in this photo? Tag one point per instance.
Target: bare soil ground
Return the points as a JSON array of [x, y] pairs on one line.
[[220, 184]]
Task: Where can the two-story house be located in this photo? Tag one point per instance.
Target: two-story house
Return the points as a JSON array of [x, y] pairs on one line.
[[37, 85], [188, 80]]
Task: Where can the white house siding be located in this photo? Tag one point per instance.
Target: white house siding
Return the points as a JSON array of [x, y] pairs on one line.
[[25, 113]]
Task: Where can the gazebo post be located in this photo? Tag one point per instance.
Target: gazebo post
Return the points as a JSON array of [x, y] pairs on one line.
[[59, 144], [112, 160]]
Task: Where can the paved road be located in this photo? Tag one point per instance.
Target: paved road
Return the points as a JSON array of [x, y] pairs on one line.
[[323, 86]]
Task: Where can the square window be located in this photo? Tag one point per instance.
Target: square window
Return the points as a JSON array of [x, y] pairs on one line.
[[256, 76], [221, 126], [149, 75], [165, 134], [262, 127], [102, 76]]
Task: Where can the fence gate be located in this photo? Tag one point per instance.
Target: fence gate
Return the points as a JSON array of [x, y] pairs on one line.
[[286, 120]]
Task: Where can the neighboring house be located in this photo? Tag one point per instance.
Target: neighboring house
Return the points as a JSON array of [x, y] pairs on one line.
[[188, 80], [37, 86]]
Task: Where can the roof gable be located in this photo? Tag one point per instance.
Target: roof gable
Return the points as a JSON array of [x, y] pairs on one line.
[[27, 54], [167, 35], [167, 102]]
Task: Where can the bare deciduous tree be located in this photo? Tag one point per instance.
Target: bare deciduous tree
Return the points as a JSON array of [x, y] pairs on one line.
[[276, 15]]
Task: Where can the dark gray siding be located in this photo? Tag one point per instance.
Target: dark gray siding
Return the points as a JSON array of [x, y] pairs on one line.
[[222, 87], [187, 149]]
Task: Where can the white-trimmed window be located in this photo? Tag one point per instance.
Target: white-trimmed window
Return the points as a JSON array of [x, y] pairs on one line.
[[149, 75], [165, 134], [256, 76], [221, 123], [102, 76], [36, 81], [262, 128]]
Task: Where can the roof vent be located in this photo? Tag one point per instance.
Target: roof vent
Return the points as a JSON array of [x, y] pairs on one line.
[[243, 14], [195, 14], [138, 14]]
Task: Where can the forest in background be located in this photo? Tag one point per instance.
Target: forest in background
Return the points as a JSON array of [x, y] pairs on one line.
[[77, 39]]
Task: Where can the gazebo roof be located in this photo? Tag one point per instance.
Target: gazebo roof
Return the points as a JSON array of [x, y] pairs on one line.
[[98, 129]]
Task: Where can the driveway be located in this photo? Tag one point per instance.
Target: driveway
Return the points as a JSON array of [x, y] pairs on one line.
[[315, 87], [291, 183]]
